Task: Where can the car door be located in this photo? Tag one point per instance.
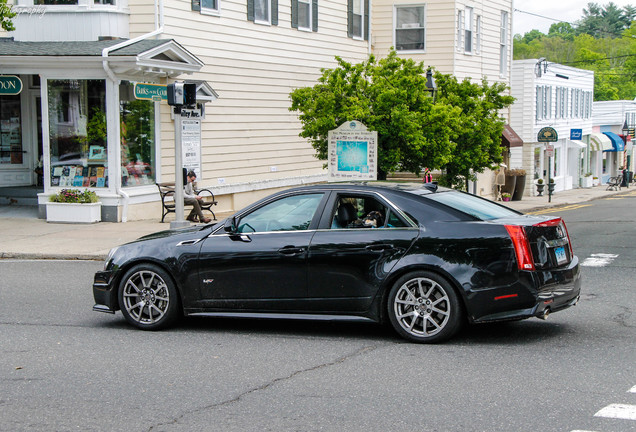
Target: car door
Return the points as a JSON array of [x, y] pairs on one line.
[[348, 260], [263, 263]]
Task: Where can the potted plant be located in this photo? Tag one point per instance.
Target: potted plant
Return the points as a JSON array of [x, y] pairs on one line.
[[540, 187], [74, 206], [586, 180], [506, 196], [551, 185], [595, 181], [520, 183]]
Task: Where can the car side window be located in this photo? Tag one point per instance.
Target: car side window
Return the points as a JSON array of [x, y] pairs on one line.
[[358, 211], [292, 213]]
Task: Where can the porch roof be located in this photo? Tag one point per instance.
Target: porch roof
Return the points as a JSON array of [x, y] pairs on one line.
[[151, 57]]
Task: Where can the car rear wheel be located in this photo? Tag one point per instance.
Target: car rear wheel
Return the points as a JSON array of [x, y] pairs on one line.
[[424, 308], [148, 298]]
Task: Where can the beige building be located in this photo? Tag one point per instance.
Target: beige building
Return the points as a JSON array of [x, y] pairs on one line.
[[86, 117]]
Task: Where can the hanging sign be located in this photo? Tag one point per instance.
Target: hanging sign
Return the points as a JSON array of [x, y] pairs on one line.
[[353, 152], [576, 134], [154, 92], [10, 85], [548, 134]]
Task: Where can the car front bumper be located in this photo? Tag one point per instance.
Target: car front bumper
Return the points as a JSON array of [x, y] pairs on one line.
[[104, 293]]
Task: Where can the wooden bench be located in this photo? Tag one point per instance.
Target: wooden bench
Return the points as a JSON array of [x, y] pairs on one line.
[[166, 191]]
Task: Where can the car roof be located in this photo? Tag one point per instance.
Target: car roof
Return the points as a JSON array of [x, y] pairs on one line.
[[411, 188]]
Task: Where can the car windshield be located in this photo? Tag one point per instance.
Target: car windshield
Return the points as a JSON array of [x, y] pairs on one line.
[[477, 207]]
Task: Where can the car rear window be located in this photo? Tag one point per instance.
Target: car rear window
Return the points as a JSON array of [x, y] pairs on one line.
[[472, 205]]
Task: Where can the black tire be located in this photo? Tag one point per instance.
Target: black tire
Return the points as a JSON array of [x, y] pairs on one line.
[[423, 307], [148, 297]]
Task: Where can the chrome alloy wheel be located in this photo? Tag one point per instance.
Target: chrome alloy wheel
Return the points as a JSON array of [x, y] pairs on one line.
[[146, 297], [422, 307]]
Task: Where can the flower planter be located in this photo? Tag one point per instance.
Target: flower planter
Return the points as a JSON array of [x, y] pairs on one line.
[[73, 212], [540, 187], [520, 187], [586, 182], [505, 198]]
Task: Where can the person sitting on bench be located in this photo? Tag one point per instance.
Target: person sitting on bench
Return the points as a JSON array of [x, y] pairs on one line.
[[191, 198]]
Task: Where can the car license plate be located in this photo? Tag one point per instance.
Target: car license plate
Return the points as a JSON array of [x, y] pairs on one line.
[[560, 255]]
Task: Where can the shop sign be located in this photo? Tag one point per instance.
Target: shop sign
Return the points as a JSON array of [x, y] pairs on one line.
[[147, 91], [548, 134], [576, 134], [353, 152], [10, 85]]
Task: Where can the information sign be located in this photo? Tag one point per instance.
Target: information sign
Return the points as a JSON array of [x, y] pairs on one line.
[[548, 134], [353, 152]]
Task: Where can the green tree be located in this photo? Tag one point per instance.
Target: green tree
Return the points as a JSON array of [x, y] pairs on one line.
[[6, 16], [388, 96], [477, 137], [459, 130]]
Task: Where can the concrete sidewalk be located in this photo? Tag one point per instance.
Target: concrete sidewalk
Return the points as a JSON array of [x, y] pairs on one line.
[[24, 236]]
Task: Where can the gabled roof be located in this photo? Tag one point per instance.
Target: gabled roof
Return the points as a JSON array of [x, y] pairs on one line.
[[151, 57]]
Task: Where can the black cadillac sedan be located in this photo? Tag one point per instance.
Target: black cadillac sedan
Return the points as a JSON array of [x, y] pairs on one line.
[[422, 258]]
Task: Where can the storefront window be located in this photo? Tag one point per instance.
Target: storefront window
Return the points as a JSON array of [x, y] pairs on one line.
[[137, 119], [77, 133], [10, 130]]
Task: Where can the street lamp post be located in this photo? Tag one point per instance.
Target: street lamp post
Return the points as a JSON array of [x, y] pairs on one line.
[[629, 157], [431, 86]]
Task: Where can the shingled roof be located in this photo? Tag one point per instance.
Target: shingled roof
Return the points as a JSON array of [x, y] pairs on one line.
[[76, 48]]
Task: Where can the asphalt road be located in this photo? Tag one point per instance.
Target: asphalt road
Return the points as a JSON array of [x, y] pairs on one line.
[[64, 367]]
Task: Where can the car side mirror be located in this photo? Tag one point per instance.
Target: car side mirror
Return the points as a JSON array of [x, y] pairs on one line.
[[230, 225]]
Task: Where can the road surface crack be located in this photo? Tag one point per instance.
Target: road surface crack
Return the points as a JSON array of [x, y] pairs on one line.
[[267, 385]]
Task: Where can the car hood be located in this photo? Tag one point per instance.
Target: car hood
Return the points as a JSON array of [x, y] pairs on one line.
[[181, 232]]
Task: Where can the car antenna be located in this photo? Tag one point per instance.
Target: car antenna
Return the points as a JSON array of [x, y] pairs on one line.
[[432, 186]]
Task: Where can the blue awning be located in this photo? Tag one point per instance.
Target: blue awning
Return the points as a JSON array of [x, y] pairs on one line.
[[617, 142]]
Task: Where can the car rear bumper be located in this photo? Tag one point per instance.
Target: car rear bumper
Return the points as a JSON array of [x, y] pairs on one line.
[[537, 294]]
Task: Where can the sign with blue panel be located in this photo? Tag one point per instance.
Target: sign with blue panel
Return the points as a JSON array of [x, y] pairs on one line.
[[353, 152], [576, 134]]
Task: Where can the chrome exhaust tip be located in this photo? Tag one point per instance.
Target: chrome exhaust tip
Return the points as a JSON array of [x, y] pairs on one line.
[[544, 314]]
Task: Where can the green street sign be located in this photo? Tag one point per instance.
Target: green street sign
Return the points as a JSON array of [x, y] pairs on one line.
[[154, 92], [10, 85], [547, 134]]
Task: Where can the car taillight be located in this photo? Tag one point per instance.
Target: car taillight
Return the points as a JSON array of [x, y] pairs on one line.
[[522, 247], [558, 222]]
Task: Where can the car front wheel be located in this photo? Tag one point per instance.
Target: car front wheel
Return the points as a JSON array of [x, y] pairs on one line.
[[424, 308], [148, 298]]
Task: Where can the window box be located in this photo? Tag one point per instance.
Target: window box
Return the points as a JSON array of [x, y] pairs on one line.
[[73, 212]]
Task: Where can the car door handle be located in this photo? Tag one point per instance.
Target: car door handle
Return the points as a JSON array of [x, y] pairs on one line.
[[291, 250], [379, 247]]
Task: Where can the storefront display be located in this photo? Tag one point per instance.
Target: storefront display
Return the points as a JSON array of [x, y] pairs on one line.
[[10, 130], [77, 133], [137, 138]]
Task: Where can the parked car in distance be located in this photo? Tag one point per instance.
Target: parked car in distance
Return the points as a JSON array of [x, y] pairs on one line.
[[422, 258]]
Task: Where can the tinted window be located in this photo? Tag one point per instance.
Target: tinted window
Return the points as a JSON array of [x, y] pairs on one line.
[[477, 207], [360, 211], [286, 214]]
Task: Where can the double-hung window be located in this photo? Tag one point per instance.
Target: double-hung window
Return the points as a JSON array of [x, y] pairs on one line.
[[410, 28], [503, 44], [210, 6], [460, 30], [263, 11], [304, 14], [358, 19], [468, 30]]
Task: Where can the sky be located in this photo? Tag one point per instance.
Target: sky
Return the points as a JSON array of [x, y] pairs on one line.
[[563, 10]]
